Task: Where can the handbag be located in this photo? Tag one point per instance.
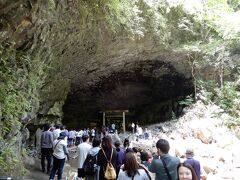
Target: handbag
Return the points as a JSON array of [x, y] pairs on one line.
[[109, 172]]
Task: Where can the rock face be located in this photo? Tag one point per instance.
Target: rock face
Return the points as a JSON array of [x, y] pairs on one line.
[[90, 61], [80, 57], [90, 56]]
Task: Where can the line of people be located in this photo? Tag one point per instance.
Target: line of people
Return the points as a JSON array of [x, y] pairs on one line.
[[125, 160], [52, 144], [127, 164], [53, 148]]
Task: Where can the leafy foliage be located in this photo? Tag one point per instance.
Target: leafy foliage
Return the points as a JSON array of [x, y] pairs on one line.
[[10, 164], [207, 89], [218, 38], [20, 82], [10, 97], [234, 4], [120, 17], [187, 101], [227, 98]]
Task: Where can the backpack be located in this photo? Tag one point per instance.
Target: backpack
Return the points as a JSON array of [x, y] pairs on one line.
[[109, 172], [88, 165]]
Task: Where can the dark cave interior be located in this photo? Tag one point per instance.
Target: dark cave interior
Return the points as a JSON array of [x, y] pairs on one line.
[[151, 92]]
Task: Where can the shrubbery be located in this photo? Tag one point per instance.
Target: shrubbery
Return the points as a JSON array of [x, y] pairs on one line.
[[228, 97]]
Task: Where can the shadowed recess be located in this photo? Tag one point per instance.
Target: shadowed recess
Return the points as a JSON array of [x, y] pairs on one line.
[[151, 91]]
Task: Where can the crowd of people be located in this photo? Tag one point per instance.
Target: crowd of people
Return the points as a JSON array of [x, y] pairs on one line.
[[140, 134], [99, 157]]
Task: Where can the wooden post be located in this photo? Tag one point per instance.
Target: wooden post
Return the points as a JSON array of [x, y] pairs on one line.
[[124, 123], [104, 119]]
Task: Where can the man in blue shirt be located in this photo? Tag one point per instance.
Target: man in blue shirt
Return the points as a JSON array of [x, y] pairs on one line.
[[164, 165], [193, 162], [46, 148]]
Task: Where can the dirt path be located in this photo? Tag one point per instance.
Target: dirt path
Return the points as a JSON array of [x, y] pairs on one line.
[[35, 172]]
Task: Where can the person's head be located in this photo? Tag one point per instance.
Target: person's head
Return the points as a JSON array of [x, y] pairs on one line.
[[126, 143], [106, 142], [52, 128], [136, 149], [96, 142], [137, 153], [144, 156], [162, 146], [189, 153], [62, 127], [62, 135], [131, 165], [117, 144], [85, 137], [46, 127], [186, 172], [57, 126], [129, 150]]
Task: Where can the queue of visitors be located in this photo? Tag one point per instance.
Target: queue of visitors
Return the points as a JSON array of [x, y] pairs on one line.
[[102, 157]]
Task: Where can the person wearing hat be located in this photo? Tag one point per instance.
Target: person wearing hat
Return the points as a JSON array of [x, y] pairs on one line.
[[193, 162], [60, 153]]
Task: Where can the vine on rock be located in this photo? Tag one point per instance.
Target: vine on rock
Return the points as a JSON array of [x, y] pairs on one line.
[[18, 93]]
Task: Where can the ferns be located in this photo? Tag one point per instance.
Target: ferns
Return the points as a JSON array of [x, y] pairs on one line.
[[18, 95]]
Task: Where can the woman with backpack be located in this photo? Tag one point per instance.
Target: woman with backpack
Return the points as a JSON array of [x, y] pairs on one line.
[[106, 159], [132, 170]]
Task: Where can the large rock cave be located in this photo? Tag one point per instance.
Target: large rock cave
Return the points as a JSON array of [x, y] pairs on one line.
[[150, 90], [66, 61], [87, 65]]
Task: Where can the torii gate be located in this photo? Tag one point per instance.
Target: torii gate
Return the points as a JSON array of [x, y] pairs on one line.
[[115, 113]]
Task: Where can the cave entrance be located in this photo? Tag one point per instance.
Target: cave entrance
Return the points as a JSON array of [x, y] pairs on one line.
[[116, 117], [151, 91]]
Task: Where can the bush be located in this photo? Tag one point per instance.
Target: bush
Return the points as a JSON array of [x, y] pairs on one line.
[[11, 165], [228, 98]]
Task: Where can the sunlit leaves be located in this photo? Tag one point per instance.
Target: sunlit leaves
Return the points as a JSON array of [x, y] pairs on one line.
[[234, 4]]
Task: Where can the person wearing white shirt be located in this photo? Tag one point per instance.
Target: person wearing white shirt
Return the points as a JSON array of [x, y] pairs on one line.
[[82, 151], [56, 132], [140, 132], [60, 152]]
